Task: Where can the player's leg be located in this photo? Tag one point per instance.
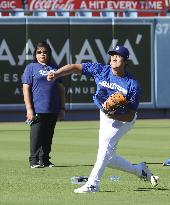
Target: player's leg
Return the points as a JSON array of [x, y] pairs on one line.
[[49, 122], [141, 170], [35, 144], [118, 162], [109, 134]]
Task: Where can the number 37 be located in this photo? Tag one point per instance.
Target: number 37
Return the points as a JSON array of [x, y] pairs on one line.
[[162, 28]]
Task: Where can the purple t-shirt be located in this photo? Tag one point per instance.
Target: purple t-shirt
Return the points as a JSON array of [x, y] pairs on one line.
[[45, 94]]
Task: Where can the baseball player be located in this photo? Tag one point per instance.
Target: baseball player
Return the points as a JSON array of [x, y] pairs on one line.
[[110, 79]]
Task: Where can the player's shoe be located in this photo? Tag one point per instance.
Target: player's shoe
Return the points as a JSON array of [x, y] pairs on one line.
[[49, 164], [37, 165], [87, 189], [147, 175], [167, 162]]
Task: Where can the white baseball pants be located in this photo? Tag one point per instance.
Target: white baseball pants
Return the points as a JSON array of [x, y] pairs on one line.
[[111, 131]]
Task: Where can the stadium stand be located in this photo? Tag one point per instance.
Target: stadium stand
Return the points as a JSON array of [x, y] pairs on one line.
[[64, 8], [24, 8], [167, 4]]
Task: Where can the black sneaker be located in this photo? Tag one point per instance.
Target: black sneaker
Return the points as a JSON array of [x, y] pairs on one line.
[[49, 164], [33, 166]]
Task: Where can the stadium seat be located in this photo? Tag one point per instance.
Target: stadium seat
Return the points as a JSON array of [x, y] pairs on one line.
[[133, 14], [18, 12], [109, 14], [42, 13], [62, 13], [5, 14], [84, 13]]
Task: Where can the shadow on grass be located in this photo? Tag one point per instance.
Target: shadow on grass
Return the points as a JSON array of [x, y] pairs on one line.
[[150, 189], [140, 189], [91, 165], [152, 163], [107, 191], [80, 165]]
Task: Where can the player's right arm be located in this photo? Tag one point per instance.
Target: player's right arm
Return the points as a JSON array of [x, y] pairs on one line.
[[28, 101], [65, 70]]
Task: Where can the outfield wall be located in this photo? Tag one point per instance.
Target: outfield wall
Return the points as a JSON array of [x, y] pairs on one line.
[[77, 40]]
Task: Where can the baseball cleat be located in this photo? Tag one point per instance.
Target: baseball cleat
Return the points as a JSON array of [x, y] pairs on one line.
[[87, 189], [167, 162], [148, 176]]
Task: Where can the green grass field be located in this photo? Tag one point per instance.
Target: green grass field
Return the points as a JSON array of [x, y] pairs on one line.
[[74, 152]]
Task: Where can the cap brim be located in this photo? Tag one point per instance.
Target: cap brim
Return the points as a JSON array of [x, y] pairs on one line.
[[115, 52]]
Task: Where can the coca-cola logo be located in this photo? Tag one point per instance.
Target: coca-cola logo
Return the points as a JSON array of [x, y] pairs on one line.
[[96, 4], [52, 4]]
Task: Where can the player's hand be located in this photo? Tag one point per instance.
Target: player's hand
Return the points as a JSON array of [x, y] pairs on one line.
[[30, 114], [108, 112], [104, 105], [50, 76]]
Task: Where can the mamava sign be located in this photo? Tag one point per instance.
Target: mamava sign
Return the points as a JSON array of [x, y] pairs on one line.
[[92, 44]]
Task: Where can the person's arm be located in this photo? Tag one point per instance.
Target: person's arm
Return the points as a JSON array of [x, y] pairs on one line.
[[127, 117], [65, 70], [61, 91], [28, 101]]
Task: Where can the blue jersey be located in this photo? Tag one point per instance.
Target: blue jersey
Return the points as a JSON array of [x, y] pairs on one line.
[[108, 83], [45, 94]]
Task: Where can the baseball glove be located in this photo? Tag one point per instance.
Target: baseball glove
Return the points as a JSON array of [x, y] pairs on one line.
[[114, 103]]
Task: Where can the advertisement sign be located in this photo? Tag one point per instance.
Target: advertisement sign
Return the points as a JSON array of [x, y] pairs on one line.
[[72, 43], [121, 4], [92, 43], [139, 43], [10, 5], [167, 4], [12, 62], [146, 7], [95, 4]]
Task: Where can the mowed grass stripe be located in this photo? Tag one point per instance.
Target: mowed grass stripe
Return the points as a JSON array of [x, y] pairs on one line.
[[74, 150]]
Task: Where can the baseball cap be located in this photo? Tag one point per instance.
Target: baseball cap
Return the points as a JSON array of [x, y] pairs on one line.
[[121, 50]]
